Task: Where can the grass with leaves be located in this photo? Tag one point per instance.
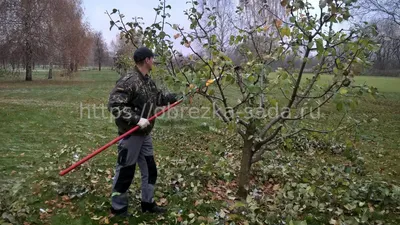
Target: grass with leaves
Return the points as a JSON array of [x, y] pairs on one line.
[[44, 129]]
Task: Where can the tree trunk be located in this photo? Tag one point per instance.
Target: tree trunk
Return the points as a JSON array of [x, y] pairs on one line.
[[28, 62], [245, 168], [27, 26], [99, 66], [71, 67], [50, 71], [76, 67]]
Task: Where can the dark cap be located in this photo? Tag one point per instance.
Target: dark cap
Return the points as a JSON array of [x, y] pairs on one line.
[[142, 53]]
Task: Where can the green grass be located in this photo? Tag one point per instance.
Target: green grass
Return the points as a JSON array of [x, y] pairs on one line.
[[384, 84], [41, 129]]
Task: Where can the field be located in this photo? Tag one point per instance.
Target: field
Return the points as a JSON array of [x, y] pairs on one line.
[[46, 125]]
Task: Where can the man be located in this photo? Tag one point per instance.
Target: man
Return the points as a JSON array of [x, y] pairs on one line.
[[133, 100]]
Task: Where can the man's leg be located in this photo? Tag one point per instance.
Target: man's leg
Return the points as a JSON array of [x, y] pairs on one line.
[[148, 171], [128, 153]]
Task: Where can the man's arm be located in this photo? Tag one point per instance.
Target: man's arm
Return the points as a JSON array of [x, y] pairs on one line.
[[119, 98], [164, 99]]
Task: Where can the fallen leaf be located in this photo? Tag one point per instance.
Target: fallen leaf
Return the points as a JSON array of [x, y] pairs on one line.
[[333, 222], [65, 198], [163, 202], [371, 208], [222, 214], [198, 202], [201, 218], [8, 217], [96, 217]]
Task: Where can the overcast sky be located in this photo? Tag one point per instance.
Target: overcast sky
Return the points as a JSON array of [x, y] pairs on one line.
[[95, 14]]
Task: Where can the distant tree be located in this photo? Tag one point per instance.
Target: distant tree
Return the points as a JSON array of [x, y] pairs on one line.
[[385, 15], [100, 49], [388, 55], [30, 17], [220, 29], [76, 38], [379, 9], [43, 31], [124, 52]]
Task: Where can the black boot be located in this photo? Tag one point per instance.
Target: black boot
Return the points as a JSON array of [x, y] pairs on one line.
[[152, 208], [120, 213]]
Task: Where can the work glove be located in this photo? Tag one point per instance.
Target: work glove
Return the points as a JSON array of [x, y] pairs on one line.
[[143, 122]]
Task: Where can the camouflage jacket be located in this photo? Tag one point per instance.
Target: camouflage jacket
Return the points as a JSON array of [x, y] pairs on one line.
[[136, 96]]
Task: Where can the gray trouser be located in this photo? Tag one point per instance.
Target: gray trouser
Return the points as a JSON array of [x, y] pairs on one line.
[[132, 150]]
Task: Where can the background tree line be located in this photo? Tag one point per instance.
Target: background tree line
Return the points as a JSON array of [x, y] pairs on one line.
[[385, 14], [49, 33]]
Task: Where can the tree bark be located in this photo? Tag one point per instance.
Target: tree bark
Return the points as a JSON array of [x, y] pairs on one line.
[[245, 168], [99, 66], [50, 71], [71, 67], [28, 61], [27, 27]]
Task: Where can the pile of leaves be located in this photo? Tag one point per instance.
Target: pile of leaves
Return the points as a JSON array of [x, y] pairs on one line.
[[198, 184]]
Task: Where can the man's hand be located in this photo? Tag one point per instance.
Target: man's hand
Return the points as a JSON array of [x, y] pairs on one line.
[[143, 123]]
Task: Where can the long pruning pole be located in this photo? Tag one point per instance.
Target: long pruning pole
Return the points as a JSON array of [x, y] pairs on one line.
[[91, 155]]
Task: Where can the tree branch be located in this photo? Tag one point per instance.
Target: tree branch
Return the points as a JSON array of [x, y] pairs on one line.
[[297, 85], [319, 106], [269, 138], [218, 111], [258, 155]]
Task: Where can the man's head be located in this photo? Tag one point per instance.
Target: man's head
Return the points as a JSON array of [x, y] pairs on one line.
[[144, 58]]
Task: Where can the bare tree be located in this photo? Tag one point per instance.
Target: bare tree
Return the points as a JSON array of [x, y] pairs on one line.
[[387, 58], [31, 18], [43, 31], [100, 49], [123, 51], [379, 9], [220, 12], [385, 14]]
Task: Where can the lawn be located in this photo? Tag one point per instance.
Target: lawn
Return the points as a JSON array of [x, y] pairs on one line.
[[45, 126]]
